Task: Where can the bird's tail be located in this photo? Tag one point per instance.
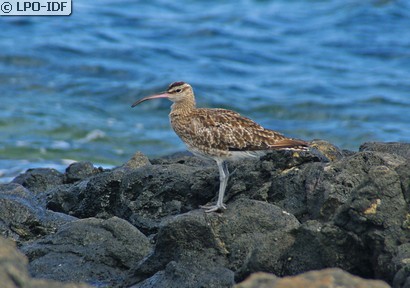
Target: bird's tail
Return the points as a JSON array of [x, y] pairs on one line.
[[290, 144]]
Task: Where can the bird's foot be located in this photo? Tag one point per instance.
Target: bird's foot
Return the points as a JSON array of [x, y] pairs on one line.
[[213, 208]]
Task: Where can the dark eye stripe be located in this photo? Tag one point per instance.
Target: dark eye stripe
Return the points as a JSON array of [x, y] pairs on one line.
[[178, 90]]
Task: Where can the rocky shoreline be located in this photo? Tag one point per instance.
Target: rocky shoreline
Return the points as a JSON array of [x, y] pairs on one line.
[[139, 225]]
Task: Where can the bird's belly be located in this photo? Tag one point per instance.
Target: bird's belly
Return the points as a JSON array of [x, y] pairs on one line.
[[207, 152], [211, 153]]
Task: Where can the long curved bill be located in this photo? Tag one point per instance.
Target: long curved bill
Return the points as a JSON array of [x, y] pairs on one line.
[[163, 95]]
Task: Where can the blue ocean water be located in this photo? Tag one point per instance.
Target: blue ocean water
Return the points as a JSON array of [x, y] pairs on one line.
[[334, 70]]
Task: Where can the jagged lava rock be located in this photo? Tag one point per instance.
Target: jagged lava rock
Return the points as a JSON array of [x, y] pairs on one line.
[[40, 179], [320, 245], [143, 196], [250, 236], [354, 212], [402, 264], [80, 170], [330, 151], [23, 216], [97, 195], [187, 254], [347, 210], [396, 148], [90, 250], [359, 208], [13, 270]]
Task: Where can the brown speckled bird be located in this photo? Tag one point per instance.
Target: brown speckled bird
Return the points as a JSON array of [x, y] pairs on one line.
[[219, 134]]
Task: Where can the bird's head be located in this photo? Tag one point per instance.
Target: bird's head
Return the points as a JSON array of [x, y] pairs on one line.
[[177, 92]]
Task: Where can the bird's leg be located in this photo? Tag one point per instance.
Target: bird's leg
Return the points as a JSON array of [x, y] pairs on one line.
[[223, 178], [223, 181]]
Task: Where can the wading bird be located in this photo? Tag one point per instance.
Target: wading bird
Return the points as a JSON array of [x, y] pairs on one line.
[[219, 134]]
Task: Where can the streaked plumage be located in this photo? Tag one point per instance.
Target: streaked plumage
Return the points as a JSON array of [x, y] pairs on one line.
[[219, 134]]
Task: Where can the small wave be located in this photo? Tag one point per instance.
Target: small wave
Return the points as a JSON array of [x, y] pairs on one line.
[[93, 135], [59, 144], [384, 101]]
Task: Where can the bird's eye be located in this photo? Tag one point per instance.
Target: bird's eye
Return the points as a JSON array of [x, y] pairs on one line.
[[178, 90]]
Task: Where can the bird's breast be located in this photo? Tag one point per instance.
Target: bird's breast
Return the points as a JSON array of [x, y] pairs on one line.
[[182, 126], [197, 136]]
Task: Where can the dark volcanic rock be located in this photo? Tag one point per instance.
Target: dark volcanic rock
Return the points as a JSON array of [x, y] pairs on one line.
[[13, 270], [143, 196], [315, 279], [189, 273], [295, 190], [250, 236], [79, 171], [155, 192], [146, 192], [185, 243], [330, 151], [90, 250], [318, 246], [395, 148], [402, 264], [95, 196], [255, 235], [319, 190], [354, 213], [404, 174], [23, 216], [288, 213], [359, 206], [285, 159], [377, 212], [40, 179]]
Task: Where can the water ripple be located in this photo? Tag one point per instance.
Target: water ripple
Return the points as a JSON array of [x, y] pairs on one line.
[[336, 70]]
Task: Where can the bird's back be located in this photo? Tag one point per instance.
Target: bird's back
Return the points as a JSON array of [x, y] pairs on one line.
[[225, 133]]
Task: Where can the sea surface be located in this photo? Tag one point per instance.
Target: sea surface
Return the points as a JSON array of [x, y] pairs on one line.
[[334, 70]]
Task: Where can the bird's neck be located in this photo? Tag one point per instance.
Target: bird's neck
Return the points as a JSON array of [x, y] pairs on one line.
[[183, 107]]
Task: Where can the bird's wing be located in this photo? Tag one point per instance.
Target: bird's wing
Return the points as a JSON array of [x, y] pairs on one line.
[[227, 130]]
